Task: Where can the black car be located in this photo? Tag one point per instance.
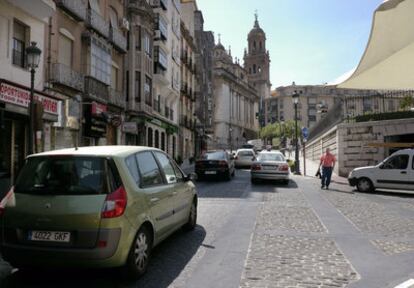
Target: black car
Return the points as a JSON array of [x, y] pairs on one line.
[[215, 163]]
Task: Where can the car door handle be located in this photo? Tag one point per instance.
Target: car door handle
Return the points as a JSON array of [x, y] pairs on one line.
[[403, 172], [154, 200]]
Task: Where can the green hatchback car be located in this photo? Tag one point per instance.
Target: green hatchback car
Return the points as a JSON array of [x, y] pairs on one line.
[[102, 206]]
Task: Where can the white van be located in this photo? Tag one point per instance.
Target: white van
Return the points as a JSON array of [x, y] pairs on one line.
[[396, 173]]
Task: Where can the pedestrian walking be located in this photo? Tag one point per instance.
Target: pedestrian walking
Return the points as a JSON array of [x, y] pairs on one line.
[[328, 163]]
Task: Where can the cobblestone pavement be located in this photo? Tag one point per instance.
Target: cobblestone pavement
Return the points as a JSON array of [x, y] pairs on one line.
[[290, 247], [390, 247], [371, 217]]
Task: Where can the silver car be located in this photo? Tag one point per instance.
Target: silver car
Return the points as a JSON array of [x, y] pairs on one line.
[[270, 165], [244, 157]]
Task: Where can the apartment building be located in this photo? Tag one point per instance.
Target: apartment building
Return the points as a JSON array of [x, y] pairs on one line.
[[22, 22], [188, 80], [86, 45]]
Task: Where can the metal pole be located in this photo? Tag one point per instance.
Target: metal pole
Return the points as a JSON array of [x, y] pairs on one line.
[[31, 112], [297, 170], [304, 157]]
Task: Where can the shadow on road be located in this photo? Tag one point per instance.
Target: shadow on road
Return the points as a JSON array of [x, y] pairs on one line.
[[168, 260]]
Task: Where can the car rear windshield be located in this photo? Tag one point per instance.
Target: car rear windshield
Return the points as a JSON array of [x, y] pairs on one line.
[[67, 175], [214, 156], [245, 153], [270, 157]]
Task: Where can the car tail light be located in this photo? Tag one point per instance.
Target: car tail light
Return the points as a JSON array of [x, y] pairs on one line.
[[256, 167], [284, 167], [8, 201], [222, 163], [115, 203]]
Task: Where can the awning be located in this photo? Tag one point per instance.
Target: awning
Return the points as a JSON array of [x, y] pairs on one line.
[[388, 61]]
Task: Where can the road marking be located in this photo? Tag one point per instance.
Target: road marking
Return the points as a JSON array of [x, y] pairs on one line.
[[406, 284]]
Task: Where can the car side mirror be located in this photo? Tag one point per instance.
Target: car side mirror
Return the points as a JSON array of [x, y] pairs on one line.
[[190, 177]]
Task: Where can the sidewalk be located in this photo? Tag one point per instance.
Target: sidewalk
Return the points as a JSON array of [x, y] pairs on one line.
[[312, 167]]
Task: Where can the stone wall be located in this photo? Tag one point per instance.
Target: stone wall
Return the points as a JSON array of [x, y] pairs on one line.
[[350, 143]]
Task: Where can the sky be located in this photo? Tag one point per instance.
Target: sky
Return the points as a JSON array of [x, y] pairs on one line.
[[310, 42]]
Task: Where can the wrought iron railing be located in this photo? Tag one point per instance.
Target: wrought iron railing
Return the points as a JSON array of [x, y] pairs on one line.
[[96, 89], [65, 75], [97, 22], [116, 98], [76, 8]]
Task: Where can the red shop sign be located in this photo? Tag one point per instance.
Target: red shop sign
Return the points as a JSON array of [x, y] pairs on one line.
[[21, 97], [98, 108]]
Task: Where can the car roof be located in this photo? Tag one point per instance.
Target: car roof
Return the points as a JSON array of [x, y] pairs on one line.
[[245, 149], [404, 151], [105, 151], [271, 151]]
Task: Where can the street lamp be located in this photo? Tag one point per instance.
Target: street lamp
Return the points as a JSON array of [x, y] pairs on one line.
[[295, 98], [33, 59]]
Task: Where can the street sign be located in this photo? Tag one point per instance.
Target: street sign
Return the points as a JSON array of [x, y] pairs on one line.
[[305, 132]]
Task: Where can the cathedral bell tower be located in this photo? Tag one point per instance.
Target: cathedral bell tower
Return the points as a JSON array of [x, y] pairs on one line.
[[257, 63]]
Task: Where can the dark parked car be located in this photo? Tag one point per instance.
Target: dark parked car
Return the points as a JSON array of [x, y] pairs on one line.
[[215, 163]]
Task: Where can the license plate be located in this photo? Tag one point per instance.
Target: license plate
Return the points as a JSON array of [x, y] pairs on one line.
[[49, 236], [269, 167], [210, 172]]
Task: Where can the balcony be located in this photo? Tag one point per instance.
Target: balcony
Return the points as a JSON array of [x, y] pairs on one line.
[[118, 40], [160, 4], [64, 75], [116, 98], [96, 90], [75, 8], [97, 23], [143, 107]]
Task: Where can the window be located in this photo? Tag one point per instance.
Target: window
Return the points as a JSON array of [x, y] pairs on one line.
[[150, 172], [254, 68], [157, 139], [138, 39], [138, 86], [149, 143], [148, 91], [101, 62], [19, 44], [396, 162], [167, 167], [65, 50], [147, 44], [114, 78], [163, 141], [113, 17], [131, 163]]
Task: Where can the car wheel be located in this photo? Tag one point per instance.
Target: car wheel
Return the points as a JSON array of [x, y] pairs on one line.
[[365, 185], [192, 218], [253, 180], [228, 176], [139, 254]]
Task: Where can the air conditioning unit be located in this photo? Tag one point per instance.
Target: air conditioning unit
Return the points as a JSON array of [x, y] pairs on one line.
[[124, 24]]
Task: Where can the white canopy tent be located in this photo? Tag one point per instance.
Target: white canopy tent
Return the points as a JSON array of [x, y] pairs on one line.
[[388, 60]]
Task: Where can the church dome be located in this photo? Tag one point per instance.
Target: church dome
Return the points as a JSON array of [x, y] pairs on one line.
[[256, 29]]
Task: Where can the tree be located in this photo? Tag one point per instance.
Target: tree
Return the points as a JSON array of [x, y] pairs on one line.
[[407, 102]]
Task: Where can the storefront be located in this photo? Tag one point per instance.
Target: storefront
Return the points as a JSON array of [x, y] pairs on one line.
[[14, 125]]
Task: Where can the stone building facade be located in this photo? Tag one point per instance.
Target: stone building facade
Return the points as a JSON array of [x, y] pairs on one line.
[[204, 73], [257, 63], [21, 24], [85, 49], [188, 80], [236, 103]]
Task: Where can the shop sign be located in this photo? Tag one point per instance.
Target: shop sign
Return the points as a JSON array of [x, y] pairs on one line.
[[95, 123], [18, 96], [98, 108], [130, 127]]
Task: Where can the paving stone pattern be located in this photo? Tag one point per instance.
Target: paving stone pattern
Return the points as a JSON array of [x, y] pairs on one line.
[[390, 247], [371, 217], [277, 259], [290, 261]]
